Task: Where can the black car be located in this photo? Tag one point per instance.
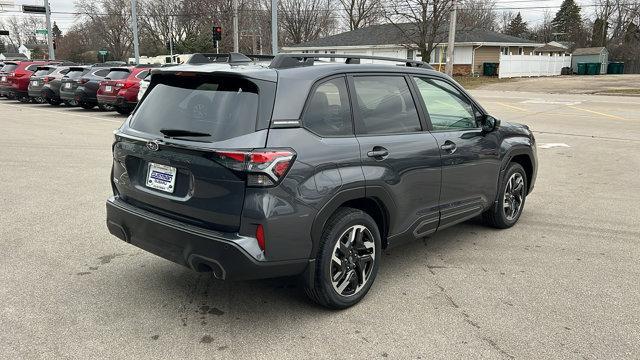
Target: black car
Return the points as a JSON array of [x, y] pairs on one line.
[[69, 83], [80, 86], [38, 80], [294, 169], [52, 82]]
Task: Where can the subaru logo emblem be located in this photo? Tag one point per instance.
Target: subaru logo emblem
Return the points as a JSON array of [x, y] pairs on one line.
[[153, 145]]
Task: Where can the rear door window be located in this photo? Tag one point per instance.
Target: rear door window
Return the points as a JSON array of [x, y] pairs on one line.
[[118, 74], [218, 108], [75, 74], [328, 112], [384, 105], [32, 67], [142, 74], [101, 73], [42, 72]]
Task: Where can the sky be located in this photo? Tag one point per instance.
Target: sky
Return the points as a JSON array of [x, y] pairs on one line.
[[532, 16]]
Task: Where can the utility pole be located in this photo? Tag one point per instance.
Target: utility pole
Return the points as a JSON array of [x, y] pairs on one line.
[[134, 27], [236, 33], [52, 52], [171, 39], [274, 27], [452, 39]]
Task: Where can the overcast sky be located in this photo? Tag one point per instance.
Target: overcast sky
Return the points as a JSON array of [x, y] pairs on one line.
[[532, 16]]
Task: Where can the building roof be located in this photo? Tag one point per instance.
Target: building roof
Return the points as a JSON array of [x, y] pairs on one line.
[[551, 48], [393, 34], [589, 51], [14, 56]]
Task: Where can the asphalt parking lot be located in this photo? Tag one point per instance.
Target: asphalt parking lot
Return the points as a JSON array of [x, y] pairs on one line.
[[563, 283]]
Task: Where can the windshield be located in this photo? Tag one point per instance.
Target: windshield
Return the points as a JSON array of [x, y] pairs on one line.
[[9, 68], [222, 107], [118, 75]]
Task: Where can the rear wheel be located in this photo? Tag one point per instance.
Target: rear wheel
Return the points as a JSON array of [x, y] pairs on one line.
[[86, 105], [71, 103], [24, 99], [347, 260], [105, 107], [54, 102], [123, 110], [513, 192]]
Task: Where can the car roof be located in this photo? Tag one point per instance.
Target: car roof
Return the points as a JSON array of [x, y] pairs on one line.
[[248, 70]]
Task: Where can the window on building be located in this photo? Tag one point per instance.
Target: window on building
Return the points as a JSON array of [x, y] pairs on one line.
[[410, 54], [504, 50], [520, 50]]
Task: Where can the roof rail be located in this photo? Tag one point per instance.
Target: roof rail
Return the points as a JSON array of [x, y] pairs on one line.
[[227, 58], [284, 61], [260, 57]]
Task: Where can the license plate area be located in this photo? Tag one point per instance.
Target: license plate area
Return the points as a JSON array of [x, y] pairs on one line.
[[161, 177], [107, 88], [67, 86]]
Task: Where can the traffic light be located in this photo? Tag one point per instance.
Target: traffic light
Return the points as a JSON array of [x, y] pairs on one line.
[[217, 33]]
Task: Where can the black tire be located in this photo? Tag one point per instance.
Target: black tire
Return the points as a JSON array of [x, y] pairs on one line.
[[497, 216], [105, 107], [123, 110], [70, 103], [323, 291], [53, 102], [86, 105], [25, 99]]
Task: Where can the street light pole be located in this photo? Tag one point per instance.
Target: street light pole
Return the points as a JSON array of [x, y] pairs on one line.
[[452, 39], [52, 53], [134, 27], [236, 34], [274, 27]]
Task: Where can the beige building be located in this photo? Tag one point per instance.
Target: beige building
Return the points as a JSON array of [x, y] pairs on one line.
[[472, 47]]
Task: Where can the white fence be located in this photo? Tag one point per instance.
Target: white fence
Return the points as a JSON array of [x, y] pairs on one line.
[[532, 65]]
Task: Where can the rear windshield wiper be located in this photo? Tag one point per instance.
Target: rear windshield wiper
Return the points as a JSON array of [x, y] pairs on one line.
[[170, 133]]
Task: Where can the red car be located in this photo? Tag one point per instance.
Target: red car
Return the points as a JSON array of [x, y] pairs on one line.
[[120, 88], [15, 76]]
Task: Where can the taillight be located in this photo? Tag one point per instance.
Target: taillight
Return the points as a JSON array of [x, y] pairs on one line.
[[263, 167], [260, 237], [83, 81], [19, 75]]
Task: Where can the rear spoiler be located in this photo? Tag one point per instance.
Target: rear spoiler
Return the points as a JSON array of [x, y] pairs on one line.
[[226, 58]]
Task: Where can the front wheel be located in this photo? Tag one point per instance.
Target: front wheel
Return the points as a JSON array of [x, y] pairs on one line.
[[53, 102], [86, 105], [347, 261], [513, 192]]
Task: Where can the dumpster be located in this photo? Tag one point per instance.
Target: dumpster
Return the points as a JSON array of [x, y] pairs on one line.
[[593, 68], [490, 69], [615, 68], [582, 69]]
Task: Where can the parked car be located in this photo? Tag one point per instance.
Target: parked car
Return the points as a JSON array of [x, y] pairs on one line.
[[52, 82], [251, 172], [144, 85], [120, 88], [86, 91], [14, 81], [70, 82], [37, 82]]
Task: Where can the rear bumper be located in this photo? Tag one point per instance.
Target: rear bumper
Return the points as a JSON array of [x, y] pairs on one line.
[[228, 256], [67, 95], [35, 92], [123, 103], [107, 99]]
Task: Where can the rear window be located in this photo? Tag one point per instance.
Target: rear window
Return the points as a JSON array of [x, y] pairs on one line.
[[42, 72], [74, 74], [9, 68], [118, 75], [224, 108]]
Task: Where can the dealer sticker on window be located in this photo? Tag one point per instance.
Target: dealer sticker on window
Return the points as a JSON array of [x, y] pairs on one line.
[[161, 177]]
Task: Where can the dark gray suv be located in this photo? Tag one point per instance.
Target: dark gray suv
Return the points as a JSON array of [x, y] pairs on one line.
[[309, 168]]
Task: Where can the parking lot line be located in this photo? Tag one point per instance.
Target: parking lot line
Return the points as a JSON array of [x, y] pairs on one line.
[[63, 112], [597, 113], [511, 106]]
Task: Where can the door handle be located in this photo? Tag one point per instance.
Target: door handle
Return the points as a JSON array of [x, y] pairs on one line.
[[378, 152], [448, 146]]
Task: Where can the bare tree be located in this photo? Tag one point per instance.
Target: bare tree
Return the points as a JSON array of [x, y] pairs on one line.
[[305, 20], [361, 13], [111, 21], [477, 14], [421, 22]]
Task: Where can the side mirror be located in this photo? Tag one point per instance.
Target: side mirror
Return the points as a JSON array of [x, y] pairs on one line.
[[489, 123]]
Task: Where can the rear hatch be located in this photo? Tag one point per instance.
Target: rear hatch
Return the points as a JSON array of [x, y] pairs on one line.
[[7, 70], [70, 81], [182, 153], [38, 77]]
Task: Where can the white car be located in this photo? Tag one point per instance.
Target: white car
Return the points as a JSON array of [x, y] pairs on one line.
[[144, 84]]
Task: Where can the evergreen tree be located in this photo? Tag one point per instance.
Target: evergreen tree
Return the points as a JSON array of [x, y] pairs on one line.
[[568, 23], [55, 30], [517, 27]]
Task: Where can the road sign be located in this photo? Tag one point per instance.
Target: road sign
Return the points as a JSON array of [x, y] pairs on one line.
[[102, 52], [41, 32], [33, 9], [4, 32]]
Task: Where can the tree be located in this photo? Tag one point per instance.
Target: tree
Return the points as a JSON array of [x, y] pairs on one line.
[[110, 21], [421, 22], [361, 13], [543, 32], [305, 20], [517, 27], [568, 23], [599, 35], [55, 30], [477, 14]]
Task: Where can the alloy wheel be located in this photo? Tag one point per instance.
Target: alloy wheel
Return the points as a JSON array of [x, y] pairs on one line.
[[513, 196], [352, 260]]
